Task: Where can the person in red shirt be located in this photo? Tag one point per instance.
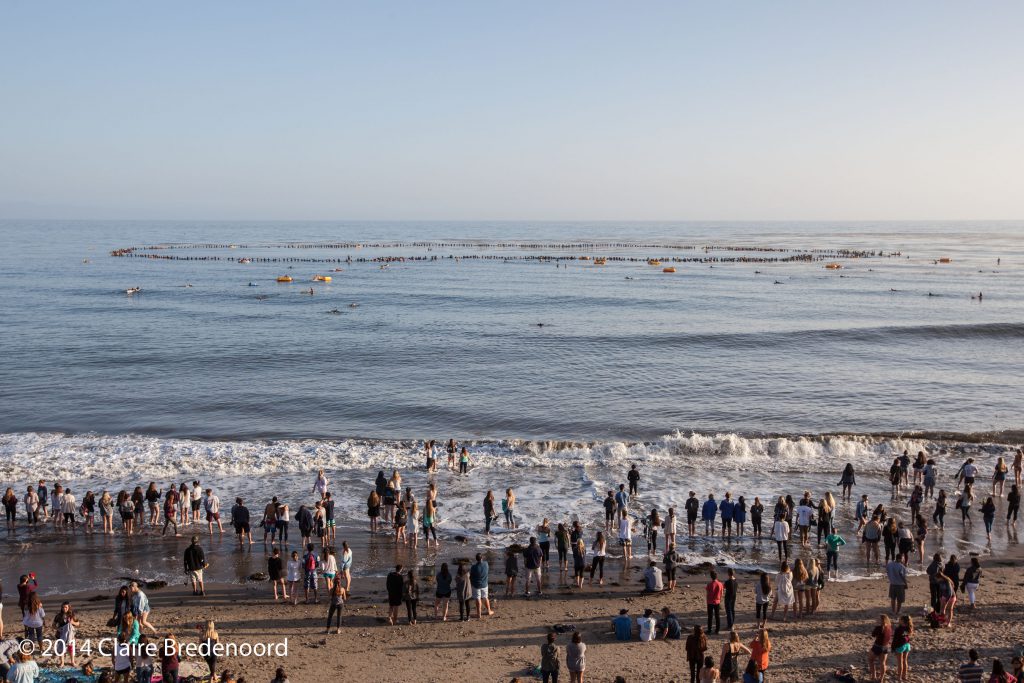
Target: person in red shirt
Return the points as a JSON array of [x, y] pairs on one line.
[[714, 591]]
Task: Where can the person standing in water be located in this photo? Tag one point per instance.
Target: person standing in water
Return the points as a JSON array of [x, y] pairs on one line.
[[464, 461], [320, 485], [508, 505], [451, 454], [633, 477], [489, 512]]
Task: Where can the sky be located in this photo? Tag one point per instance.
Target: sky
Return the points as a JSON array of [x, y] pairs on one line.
[[512, 111]]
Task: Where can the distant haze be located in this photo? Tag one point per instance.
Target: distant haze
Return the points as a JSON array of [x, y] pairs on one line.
[[529, 110]]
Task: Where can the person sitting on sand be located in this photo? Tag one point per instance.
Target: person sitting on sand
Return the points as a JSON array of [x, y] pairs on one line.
[[668, 626], [653, 579], [623, 625]]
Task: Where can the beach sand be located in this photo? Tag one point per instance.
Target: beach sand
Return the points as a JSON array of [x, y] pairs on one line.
[[506, 645]]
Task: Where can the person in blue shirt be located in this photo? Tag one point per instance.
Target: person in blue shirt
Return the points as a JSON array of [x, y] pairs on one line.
[[739, 515], [623, 625], [478, 580], [707, 513], [621, 498], [726, 508]]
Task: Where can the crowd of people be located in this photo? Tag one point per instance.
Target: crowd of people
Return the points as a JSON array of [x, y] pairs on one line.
[[805, 533]]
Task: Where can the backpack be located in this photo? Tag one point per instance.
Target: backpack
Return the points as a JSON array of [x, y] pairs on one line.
[[310, 562]]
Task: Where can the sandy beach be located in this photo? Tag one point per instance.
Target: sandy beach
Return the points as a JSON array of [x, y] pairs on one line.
[[506, 645]]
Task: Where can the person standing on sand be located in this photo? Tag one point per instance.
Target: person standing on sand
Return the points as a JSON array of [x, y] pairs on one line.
[[550, 655], [310, 564], [534, 560], [478, 575], [713, 591], [275, 570], [760, 651], [140, 606], [784, 593], [762, 598], [463, 592], [195, 563], [294, 575], [901, 637], [346, 566], [896, 573], [411, 596], [337, 597], [879, 652], [575, 658], [395, 585], [696, 646], [971, 671], [729, 666], [442, 592]]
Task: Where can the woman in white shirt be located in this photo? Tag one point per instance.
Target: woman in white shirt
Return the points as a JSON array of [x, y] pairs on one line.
[[784, 593], [780, 533], [626, 536], [294, 576]]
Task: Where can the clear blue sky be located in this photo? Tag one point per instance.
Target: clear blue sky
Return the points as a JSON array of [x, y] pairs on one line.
[[526, 110]]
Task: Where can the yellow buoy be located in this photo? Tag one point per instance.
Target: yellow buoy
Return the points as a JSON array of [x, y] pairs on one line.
[[833, 266], [321, 278], [653, 262], [668, 270], [285, 278]]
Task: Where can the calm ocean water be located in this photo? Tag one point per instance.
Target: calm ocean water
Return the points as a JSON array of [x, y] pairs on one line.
[[443, 348], [722, 374]]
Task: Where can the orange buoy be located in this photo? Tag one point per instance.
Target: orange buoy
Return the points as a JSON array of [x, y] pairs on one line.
[[668, 270]]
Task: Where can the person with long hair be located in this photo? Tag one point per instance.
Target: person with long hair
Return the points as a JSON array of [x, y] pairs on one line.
[[442, 592], [508, 506], [411, 594], [709, 673], [847, 480], [879, 652], [429, 523], [10, 501], [762, 598], [65, 624], [579, 561], [373, 503], [728, 666], [784, 594], [169, 659], [575, 658], [33, 619], [696, 646], [336, 597], [562, 545], [947, 597], [972, 577], [800, 579], [999, 477], [939, 514], [489, 513], [815, 581], [901, 637], [988, 516], [760, 651], [826, 509], [346, 566], [210, 638], [463, 591]]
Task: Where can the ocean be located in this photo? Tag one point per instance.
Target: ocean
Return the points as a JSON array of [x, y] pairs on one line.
[[753, 367]]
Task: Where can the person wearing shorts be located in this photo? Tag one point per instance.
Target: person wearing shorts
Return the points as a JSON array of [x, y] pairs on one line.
[[478, 580]]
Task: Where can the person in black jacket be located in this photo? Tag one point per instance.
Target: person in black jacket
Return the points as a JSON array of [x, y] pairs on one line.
[[195, 563], [240, 520], [396, 587]]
